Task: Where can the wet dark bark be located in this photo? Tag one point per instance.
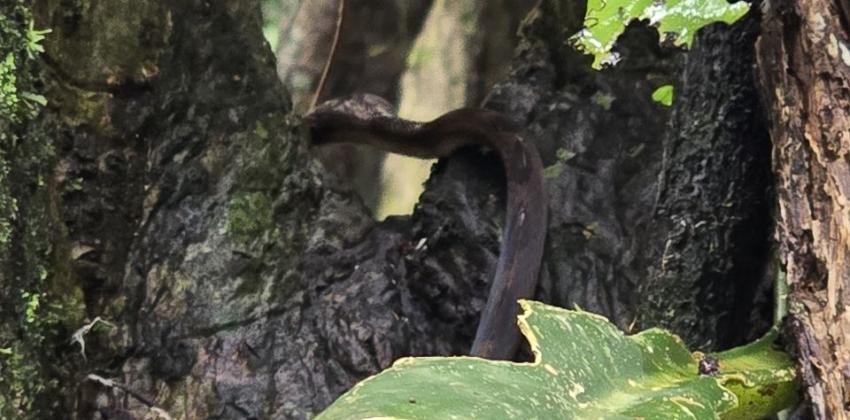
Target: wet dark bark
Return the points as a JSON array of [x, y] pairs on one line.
[[713, 211], [245, 282]]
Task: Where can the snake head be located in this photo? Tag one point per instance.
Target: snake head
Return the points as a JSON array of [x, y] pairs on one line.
[[330, 121]]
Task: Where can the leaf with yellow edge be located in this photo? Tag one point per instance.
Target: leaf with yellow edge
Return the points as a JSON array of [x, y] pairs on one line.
[[763, 378], [584, 367]]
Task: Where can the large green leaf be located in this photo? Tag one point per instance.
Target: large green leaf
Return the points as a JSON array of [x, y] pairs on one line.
[[763, 379], [676, 20], [584, 367]]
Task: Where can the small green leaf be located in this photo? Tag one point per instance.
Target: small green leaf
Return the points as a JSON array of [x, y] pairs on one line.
[[5, 351], [33, 97], [34, 38], [584, 367], [31, 303], [663, 95], [554, 170]]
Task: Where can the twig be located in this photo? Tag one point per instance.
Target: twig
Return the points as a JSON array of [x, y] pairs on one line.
[[78, 335], [144, 400], [322, 81]]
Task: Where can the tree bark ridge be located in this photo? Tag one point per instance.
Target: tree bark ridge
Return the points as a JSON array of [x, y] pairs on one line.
[[804, 63]]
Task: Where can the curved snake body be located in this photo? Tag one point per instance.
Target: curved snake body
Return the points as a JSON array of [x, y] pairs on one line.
[[368, 119]]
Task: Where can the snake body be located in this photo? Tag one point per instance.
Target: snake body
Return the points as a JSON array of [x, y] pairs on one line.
[[368, 119]]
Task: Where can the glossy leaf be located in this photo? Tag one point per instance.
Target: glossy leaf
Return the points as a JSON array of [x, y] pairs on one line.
[[584, 367], [761, 377], [677, 22]]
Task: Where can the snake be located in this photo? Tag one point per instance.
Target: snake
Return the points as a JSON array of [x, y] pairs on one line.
[[369, 119]]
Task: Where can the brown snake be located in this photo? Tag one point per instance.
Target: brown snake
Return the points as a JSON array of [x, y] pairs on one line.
[[368, 119]]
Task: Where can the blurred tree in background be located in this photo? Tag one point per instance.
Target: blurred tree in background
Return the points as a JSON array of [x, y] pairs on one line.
[[426, 57]]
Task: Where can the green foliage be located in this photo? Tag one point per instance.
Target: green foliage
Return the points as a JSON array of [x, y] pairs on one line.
[[20, 43], [31, 301], [9, 101], [584, 367], [20, 379], [676, 20], [34, 38], [663, 95], [29, 329], [753, 374], [24, 43]]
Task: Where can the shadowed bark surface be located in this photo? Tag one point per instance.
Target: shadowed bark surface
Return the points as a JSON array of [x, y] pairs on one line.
[[713, 214], [245, 283]]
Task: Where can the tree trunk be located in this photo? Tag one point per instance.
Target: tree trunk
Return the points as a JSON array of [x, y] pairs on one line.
[[243, 282], [714, 199], [804, 64]]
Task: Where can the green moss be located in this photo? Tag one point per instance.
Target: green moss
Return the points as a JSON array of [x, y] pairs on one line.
[[554, 170], [122, 38], [20, 380], [22, 43], [9, 101], [265, 157], [261, 131], [35, 311], [250, 216], [79, 107], [250, 280]]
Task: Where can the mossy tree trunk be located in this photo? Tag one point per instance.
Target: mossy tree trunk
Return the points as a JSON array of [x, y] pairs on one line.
[[185, 209], [40, 304]]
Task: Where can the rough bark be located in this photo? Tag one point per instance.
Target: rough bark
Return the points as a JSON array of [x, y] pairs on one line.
[[714, 200], [246, 283], [804, 63]]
